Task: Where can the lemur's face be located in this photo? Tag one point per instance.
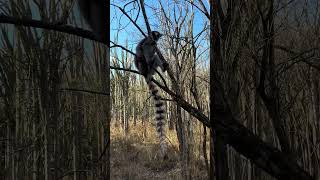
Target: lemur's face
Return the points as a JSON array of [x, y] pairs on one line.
[[156, 35]]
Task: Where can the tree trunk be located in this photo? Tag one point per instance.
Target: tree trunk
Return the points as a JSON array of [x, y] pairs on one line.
[[218, 149], [105, 80]]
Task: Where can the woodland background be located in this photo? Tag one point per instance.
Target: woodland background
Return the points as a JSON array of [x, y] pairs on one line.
[[262, 57]]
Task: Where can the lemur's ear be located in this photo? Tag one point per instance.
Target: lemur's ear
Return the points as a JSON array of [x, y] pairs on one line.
[[94, 12]]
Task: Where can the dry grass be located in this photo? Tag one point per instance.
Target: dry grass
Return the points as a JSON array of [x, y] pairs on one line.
[[136, 156]]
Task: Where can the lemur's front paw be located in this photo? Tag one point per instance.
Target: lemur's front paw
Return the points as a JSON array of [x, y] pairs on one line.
[[165, 66]]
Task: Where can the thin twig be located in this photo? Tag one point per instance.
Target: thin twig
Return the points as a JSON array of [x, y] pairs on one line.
[[126, 14], [204, 11], [85, 91]]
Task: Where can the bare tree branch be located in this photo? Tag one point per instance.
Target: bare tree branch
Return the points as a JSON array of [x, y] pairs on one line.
[[51, 26], [122, 47], [203, 10], [127, 15], [85, 91]]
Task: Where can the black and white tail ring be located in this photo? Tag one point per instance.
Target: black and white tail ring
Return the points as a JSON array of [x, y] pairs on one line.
[[160, 116]]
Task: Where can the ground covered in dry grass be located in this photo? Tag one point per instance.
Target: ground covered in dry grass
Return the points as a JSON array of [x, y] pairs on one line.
[[136, 156]]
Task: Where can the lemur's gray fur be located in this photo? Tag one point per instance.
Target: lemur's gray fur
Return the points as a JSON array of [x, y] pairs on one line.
[[147, 61]]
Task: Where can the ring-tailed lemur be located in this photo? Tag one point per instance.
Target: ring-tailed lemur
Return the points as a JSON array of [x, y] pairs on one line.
[[94, 13], [147, 61]]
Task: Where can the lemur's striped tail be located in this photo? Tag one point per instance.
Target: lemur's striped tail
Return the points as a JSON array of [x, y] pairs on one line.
[[160, 115]]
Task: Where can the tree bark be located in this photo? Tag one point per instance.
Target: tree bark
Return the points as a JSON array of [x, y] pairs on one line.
[[218, 148]]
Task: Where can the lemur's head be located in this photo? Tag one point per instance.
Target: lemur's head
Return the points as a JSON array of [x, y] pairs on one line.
[[156, 35]]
